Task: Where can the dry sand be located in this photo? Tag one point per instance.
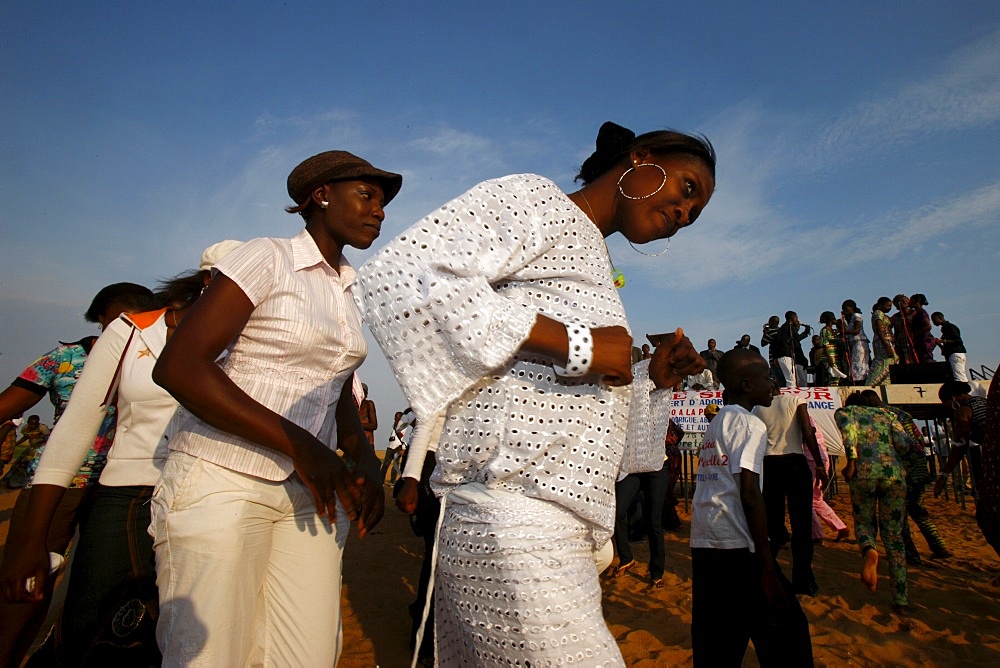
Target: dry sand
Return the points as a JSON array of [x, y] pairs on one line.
[[955, 620]]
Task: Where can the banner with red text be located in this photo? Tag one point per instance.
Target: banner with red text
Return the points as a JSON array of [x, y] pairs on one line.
[[687, 409]]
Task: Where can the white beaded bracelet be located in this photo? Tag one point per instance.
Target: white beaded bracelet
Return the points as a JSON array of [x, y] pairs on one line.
[[581, 352]]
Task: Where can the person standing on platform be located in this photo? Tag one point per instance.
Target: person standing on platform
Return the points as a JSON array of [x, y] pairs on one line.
[[786, 346], [952, 346]]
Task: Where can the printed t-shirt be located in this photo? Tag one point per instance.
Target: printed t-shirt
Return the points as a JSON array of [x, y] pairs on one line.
[[735, 440]]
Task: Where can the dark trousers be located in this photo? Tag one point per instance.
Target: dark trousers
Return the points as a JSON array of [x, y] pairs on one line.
[[654, 490], [391, 454], [729, 610], [114, 549], [424, 522], [916, 511], [788, 477]]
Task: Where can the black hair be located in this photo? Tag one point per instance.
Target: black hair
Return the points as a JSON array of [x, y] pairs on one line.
[[827, 316], [132, 297], [306, 209], [734, 366], [790, 314], [872, 398], [849, 302], [937, 313], [855, 399], [614, 143], [919, 298], [87, 342], [878, 304], [181, 290], [952, 389]]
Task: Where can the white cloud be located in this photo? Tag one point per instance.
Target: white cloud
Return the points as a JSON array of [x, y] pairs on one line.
[[963, 92]]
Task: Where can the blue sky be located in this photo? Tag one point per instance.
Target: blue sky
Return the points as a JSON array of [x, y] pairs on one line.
[[857, 142]]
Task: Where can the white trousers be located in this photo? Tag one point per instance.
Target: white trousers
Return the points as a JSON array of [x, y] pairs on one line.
[[796, 378], [247, 571], [957, 362]]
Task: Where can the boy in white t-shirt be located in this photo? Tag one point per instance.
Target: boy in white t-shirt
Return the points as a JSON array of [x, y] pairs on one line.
[[737, 592]]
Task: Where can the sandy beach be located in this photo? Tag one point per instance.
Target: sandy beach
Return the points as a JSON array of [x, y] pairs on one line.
[[955, 620]]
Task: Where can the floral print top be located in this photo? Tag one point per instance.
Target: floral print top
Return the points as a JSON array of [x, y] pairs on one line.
[[55, 373], [876, 439]]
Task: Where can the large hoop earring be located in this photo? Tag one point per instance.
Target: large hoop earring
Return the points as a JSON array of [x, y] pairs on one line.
[[635, 168], [651, 254]]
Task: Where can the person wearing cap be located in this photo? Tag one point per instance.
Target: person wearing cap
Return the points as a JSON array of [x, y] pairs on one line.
[[254, 506], [113, 563], [500, 307]]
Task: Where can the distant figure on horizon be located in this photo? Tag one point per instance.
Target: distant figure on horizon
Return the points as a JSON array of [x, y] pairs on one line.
[[712, 355], [397, 445], [745, 344], [369, 416]]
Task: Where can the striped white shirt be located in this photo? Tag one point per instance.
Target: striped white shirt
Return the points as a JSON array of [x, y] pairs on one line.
[[302, 342]]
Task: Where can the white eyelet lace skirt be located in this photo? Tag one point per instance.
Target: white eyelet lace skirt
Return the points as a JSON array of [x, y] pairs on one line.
[[516, 585]]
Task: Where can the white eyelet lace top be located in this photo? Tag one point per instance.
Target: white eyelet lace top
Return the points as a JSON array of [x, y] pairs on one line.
[[450, 302]]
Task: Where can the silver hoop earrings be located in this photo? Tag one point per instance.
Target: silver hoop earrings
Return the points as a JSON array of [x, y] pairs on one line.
[[651, 254], [635, 168]]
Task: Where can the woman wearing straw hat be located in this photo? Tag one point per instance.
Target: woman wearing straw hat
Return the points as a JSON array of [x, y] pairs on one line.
[[252, 513]]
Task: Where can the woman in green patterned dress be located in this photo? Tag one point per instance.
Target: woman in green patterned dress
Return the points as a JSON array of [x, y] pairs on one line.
[[876, 443]]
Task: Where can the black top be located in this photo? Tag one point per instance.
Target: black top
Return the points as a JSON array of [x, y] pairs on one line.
[[951, 340], [786, 343]]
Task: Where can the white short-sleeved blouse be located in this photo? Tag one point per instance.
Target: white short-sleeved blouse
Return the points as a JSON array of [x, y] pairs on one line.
[[302, 342]]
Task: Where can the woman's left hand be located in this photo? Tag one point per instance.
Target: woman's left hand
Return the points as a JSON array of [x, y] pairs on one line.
[[674, 359], [372, 499]]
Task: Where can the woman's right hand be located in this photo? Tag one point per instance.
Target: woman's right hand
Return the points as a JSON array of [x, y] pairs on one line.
[[21, 562], [408, 496], [325, 474], [612, 355]]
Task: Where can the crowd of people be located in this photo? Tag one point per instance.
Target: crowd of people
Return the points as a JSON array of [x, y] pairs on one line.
[[217, 443], [842, 353]]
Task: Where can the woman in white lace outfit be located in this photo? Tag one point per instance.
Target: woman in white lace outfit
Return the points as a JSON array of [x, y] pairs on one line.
[[501, 307]]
